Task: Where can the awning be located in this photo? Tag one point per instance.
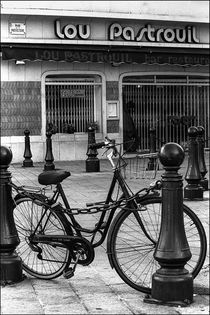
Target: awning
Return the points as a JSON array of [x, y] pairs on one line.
[[112, 55]]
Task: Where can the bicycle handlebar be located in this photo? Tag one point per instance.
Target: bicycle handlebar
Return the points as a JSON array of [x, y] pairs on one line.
[[98, 145], [108, 143]]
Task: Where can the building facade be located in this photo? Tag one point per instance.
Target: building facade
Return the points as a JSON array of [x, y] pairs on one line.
[[123, 70]]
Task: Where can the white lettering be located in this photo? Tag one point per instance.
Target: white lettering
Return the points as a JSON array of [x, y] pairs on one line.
[[115, 31], [141, 34], [84, 31], [158, 34], [58, 29], [70, 31], [148, 33], [180, 37], [189, 38], [169, 35], [194, 38], [150, 30], [128, 33]]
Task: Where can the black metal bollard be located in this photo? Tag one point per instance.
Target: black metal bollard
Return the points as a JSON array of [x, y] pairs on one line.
[[201, 158], [92, 162], [27, 153], [152, 161], [172, 284], [49, 165], [193, 190], [11, 263]]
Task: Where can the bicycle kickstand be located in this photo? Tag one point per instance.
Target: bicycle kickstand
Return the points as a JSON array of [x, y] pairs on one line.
[[69, 272]]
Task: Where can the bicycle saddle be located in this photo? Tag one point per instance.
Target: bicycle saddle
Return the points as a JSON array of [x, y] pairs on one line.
[[52, 177]]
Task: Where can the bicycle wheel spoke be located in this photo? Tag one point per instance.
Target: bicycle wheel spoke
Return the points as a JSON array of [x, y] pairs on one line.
[[131, 250], [39, 259]]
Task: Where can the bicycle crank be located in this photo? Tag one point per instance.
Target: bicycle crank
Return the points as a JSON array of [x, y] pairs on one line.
[[69, 272]]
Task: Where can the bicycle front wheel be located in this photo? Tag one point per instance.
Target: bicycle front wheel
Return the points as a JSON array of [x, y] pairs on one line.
[[131, 252], [43, 261]]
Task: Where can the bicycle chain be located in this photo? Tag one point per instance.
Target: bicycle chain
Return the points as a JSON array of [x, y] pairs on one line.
[[93, 210]]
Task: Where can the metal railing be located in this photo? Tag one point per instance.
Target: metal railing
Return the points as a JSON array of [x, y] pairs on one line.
[[170, 106]]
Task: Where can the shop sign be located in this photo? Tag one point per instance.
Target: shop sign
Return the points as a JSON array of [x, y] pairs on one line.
[[176, 59], [83, 56], [66, 93], [151, 34], [71, 31], [112, 57], [17, 28], [147, 33]]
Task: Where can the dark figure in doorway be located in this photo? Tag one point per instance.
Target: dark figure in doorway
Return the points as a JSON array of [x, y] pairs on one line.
[[130, 137]]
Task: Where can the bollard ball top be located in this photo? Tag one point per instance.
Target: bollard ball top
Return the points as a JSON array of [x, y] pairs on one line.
[[200, 130], [26, 132], [192, 131], [48, 133], [5, 157], [171, 154]]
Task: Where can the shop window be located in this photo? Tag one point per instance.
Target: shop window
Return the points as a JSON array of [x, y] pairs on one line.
[[170, 104], [72, 104]]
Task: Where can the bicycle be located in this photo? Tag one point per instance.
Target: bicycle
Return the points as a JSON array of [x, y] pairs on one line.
[[52, 242]]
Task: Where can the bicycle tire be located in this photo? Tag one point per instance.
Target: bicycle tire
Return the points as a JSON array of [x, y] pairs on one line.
[[27, 214], [130, 252]]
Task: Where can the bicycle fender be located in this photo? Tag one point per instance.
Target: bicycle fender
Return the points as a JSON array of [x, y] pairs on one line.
[[19, 196]]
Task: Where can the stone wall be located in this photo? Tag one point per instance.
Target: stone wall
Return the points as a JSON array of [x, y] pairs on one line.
[[20, 108]]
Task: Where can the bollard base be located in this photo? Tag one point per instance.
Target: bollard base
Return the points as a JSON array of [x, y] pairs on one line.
[[171, 287], [92, 165], [49, 167], [204, 184], [27, 163], [193, 192], [11, 269], [148, 299]]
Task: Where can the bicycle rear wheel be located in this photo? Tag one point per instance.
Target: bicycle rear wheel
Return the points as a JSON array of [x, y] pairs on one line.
[[53, 260], [131, 252]]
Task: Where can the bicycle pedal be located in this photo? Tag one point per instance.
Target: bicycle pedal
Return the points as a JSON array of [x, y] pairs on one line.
[[69, 273]]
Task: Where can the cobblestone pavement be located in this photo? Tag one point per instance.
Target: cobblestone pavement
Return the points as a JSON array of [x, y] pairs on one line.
[[95, 289]]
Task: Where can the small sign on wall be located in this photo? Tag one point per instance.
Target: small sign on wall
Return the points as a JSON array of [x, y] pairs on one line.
[[66, 93], [17, 28], [112, 109]]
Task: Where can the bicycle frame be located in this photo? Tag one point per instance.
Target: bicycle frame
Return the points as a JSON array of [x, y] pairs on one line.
[[51, 236], [126, 195], [77, 226], [126, 198]]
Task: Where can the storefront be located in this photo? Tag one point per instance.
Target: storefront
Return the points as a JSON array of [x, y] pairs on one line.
[[73, 72]]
